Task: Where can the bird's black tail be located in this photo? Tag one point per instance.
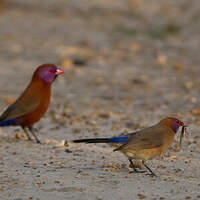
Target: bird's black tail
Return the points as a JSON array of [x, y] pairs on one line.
[[93, 140], [120, 139]]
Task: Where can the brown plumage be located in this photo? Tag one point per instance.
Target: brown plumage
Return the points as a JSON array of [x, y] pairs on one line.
[[34, 101], [144, 144]]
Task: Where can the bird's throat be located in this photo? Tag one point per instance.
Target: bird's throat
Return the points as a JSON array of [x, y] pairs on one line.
[[175, 127]]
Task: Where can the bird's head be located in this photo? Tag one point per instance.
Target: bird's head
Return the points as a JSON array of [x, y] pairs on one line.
[[48, 72], [172, 123]]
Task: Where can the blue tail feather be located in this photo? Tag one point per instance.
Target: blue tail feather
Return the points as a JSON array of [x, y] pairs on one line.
[[120, 139], [10, 122]]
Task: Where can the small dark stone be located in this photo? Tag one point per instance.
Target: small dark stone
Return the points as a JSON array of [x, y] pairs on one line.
[[68, 151], [79, 61]]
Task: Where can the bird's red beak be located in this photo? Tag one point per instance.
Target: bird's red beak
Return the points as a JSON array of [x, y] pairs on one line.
[[59, 71], [181, 123]]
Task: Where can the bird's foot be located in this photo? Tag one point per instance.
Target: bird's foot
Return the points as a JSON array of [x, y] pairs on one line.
[[152, 175], [29, 138], [38, 141], [136, 171], [34, 129]]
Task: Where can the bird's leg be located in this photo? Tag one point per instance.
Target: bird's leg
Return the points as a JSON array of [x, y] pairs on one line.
[[34, 129], [152, 173], [134, 168], [33, 133], [26, 132]]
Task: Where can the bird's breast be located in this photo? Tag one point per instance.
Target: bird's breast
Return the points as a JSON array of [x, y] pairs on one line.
[[143, 154], [34, 116], [168, 140]]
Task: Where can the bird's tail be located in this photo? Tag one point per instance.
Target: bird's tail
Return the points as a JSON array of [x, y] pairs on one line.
[[121, 139], [10, 122]]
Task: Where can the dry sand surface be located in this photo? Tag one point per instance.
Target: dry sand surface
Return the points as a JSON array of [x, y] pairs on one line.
[[127, 65]]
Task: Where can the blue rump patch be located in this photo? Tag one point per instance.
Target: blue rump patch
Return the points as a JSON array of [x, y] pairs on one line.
[[121, 139], [10, 122]]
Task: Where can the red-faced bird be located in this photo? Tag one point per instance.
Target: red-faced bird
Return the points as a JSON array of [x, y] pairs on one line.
[[144, 144], [33, 102]]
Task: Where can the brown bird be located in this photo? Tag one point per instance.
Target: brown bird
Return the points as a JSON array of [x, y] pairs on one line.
[[144, 144], [34, 101]]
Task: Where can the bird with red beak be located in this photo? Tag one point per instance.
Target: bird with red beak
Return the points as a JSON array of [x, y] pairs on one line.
[[33, 102]]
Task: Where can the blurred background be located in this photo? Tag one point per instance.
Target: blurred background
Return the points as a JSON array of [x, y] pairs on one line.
[[133, 56], [128, 64]]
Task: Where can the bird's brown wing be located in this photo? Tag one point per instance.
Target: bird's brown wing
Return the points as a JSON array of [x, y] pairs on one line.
[[148, 138], [19, 109]]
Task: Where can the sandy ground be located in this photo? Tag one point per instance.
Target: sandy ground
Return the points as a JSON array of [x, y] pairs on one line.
[[127, 65]]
